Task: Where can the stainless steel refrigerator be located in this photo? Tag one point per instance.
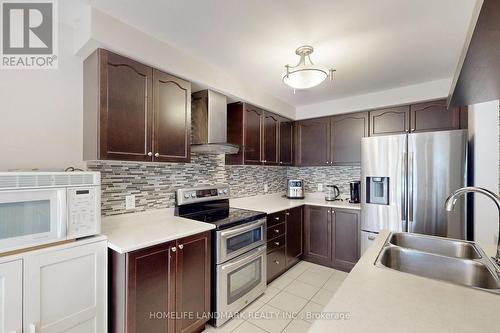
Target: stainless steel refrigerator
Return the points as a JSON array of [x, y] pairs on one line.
[[405, 180]]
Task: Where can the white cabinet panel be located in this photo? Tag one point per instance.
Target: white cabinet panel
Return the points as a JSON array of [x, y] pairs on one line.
[[11, 296], [367, 239], [65, 290]]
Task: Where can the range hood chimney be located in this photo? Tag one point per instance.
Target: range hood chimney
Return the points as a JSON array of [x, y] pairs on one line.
[[209, 124]]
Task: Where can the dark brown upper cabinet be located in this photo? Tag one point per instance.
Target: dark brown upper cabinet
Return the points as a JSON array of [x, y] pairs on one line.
[[345, 138], [166, 278], [132, 114], [390, 121], [434, 116], [171, 118], [313, 142], [270, 139], [256, 131], [286, 140]]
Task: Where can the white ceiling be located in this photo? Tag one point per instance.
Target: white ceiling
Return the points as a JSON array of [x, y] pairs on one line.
[[373, 44]]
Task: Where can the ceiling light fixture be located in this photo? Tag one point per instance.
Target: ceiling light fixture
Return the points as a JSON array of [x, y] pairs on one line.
[[305, 74]]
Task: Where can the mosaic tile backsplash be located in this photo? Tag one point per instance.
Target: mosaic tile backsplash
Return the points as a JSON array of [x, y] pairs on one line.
[[154, 184]]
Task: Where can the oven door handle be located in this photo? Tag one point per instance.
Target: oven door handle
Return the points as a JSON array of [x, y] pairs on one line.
[[247, 258], [237, 231]]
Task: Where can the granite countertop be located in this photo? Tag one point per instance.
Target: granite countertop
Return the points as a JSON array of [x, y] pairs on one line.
[[129, 232], [384, 300], [272, 203]]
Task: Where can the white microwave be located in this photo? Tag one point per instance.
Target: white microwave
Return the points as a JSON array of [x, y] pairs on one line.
[[38, 208]]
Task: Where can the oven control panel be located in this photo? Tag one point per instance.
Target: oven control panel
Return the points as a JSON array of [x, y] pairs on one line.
[[200, 194]]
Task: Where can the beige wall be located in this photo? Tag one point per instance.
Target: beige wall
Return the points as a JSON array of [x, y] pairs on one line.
[[41, 113]]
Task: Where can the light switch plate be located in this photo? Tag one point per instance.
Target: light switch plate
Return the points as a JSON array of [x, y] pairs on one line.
[[320, 187], [129, 202], [266, 188]]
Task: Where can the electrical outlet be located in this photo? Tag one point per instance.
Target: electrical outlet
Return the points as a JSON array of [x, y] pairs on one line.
[[320, 187], [266, 188], [129, 202]]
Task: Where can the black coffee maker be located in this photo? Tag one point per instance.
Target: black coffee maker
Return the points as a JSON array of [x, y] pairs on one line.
[[355, 189]]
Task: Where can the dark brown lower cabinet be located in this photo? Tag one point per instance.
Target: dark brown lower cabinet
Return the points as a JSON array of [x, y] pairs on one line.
[[331, 237], [147, 286], [284, 241], [294, 236]]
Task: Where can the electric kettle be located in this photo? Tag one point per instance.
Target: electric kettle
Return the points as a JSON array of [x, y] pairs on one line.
[[332, 192]]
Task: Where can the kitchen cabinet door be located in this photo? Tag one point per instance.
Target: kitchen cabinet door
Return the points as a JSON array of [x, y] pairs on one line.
[[434, 116], [192, 283], [286, 142], [172, 118], [252, 138], [150, 288], [390, 121], [313, 142], [270, 139], [11, 296], [125, 101], [276, 263], [345, 139], [345, 239], [317, 235], [66, 290], [294, 236]]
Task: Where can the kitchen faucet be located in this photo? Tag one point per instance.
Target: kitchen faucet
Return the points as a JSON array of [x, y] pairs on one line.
[[452, 200]]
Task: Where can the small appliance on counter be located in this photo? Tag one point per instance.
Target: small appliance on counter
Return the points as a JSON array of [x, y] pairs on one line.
[[332, 193], [355, 188], [295, 189]]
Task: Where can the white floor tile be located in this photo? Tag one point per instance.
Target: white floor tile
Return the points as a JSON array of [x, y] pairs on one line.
[[288, 302], [269, 294], [254, 306], [316, 279], [323, 296], [301, 289], [296, 270], [321, 269], [333, 284], [297, 326], [339, 275], [270, 319], [228, 327], [310, 312], [281, 282], [247, 327]]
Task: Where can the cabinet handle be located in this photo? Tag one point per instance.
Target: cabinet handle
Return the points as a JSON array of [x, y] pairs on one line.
[[157, 155], [370, 237], [287, 213], [181, 246], [277, 230], [150, 154], [328, 211], [333, 212], [277, 218], [276, 262], [173, 249], [277, 243]]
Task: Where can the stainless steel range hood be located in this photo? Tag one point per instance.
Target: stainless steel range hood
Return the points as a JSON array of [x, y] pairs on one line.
[[209, 124]]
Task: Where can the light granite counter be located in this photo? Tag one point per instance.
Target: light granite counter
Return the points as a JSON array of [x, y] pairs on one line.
[[272, 203], [129, 232], [385, 300]]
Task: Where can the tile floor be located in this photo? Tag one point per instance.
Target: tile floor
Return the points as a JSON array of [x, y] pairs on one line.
[[305, 288]]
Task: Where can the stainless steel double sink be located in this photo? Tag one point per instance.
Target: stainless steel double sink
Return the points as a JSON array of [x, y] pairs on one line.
[[455, 261]]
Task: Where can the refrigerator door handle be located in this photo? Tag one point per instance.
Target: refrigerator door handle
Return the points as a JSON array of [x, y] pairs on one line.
[[404, 159], [410, 188]]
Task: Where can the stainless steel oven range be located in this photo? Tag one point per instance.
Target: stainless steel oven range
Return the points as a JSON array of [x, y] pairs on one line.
[[238, 248]]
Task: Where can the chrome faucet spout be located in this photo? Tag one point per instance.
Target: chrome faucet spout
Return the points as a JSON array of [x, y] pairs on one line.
[[452, 200]]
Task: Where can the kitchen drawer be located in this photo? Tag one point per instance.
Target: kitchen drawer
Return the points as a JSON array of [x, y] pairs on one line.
[[276, 218], [276, 231], [275, 243], [275, 263]]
